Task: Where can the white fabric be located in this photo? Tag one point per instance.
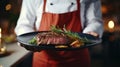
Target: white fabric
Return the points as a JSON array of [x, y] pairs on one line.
[[61, 6], [31, 13]]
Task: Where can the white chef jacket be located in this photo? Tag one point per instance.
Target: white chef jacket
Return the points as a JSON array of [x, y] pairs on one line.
[[31, 14]]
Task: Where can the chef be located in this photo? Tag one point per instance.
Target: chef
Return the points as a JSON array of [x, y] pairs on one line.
[[77, 15]]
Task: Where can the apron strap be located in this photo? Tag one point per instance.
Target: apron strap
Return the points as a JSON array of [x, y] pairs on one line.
[[78, 8], [44, 5], [78, 4]]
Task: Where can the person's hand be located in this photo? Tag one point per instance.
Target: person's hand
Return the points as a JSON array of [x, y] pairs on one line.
[[94, 34]]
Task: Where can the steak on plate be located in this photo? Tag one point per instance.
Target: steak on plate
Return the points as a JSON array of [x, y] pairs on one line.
[[52, 38]]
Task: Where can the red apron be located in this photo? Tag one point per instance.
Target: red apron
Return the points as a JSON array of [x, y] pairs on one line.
[[51, 58]]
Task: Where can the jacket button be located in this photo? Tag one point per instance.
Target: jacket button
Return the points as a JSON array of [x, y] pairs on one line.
[[51, 3], [72, 3]]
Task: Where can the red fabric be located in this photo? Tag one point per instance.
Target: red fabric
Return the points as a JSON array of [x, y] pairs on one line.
[[51, 58]]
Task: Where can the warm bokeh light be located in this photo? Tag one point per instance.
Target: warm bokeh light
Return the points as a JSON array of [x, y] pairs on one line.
[[0, 39], [8, 7], [111, 24], [104, 9], [0, 33]]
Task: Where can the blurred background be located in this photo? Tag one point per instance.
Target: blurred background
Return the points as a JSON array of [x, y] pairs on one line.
[[107, 54]]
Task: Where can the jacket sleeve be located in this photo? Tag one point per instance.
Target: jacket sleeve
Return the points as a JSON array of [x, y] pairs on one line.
[[26, 19], [93, 17]]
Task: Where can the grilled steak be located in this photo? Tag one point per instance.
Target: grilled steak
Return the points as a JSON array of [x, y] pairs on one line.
[[52, 38]]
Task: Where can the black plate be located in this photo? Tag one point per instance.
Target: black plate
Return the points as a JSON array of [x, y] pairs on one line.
[[25, 38]]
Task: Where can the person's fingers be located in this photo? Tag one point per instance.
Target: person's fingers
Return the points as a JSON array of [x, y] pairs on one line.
[[94, 34]]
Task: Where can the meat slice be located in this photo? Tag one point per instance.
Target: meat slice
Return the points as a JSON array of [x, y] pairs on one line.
[[52, 38]]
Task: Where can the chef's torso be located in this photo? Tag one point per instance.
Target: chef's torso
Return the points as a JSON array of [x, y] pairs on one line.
[[70, 16], [56, 7]]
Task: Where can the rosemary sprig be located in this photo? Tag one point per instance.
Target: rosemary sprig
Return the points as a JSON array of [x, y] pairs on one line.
[[56, 29], [70, 34]]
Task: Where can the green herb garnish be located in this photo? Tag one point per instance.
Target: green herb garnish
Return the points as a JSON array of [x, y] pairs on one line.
[[72, 35], [56, 29], [33, 41]]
